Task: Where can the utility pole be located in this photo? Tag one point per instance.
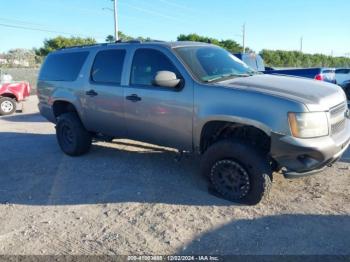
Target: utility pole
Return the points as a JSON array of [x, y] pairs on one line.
[[243, 36], [116, 35], [301, 44]]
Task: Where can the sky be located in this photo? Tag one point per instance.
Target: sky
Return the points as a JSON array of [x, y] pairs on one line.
[[270, 24]]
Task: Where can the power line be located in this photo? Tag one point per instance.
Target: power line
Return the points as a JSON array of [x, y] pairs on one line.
[[40, 30], [145, 10], [19, 21]]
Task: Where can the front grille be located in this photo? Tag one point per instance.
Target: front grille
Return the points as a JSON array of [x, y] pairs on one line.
[[338, 119], [339, 109], [338, 127]]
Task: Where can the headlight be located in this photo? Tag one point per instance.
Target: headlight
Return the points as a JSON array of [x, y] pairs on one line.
[[308, 125]]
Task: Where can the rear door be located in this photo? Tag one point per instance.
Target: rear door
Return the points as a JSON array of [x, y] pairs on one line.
[[154, 114], [104, 96]]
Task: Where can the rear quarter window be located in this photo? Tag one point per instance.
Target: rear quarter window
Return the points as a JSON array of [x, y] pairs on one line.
[[63, 66]]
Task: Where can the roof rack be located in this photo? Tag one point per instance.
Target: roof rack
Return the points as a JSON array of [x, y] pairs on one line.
[[82, 46], [132, 41], [120, 41]]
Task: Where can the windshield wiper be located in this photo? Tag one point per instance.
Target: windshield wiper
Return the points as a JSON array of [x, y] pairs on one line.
[[226, 76]]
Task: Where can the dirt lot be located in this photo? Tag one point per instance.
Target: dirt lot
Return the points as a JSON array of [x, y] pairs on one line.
[[132, 198]]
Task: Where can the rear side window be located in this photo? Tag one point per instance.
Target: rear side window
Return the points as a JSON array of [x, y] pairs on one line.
[[63, 66], [146, 64], [108, 66]]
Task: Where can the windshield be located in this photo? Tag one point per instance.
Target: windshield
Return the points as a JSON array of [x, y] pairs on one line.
[[210, 64]]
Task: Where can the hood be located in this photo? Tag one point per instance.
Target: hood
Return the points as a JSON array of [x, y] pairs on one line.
[[315, 95]]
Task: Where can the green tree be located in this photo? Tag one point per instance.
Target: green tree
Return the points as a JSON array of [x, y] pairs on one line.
[[62, 42], [124, 37], [110, 39], [229, 44], [280, 58], [20, 57]]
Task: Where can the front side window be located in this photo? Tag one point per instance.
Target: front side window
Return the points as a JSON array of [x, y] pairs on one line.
[[108, 66], [146, 64], [209, 64]]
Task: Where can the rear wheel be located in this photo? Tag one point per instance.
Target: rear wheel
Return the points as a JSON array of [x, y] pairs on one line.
[[72, 136], [7, 106], [237, 171]]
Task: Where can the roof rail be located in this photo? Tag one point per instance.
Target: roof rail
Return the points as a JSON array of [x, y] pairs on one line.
[[82, 46], [138, 41], [120, 41], [132, 41]]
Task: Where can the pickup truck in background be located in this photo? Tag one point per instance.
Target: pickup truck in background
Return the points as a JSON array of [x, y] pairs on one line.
[[11, 93], [256, 62]]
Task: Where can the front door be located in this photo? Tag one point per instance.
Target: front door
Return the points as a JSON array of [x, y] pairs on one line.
[[154, 114]]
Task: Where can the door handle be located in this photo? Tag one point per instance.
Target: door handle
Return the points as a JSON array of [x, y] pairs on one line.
[[91, 93], [134, 98]]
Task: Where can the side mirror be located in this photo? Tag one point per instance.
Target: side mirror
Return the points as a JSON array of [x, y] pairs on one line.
[[166, 79]]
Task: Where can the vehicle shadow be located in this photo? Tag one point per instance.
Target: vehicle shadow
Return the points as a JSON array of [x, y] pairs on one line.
[[276, 235], [34, 171], [34, 117]]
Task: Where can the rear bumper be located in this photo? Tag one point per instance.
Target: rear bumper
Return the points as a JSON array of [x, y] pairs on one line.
[[46, 111], [304, 157]]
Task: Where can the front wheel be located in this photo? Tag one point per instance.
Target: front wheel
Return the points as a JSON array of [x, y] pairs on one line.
[[7, 106], [237, 171], [72, 136]]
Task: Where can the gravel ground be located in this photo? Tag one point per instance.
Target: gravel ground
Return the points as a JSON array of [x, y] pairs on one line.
[[133, 198]]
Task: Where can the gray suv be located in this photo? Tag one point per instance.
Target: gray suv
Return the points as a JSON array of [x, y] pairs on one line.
[[198, 98]]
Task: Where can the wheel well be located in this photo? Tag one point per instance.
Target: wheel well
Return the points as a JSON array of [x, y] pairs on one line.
[[217, 130], [9, 95], [61, 107]]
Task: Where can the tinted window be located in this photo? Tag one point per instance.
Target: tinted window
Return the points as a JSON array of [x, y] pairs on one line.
[[63, 66], [108, 66], [146, 64]]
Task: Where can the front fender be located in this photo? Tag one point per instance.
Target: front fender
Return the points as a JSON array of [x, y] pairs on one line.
[[266, 112], [227, 118], [20, 90]]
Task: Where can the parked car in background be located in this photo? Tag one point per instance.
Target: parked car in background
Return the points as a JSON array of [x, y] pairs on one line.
[[253, 60], [342, 75], [11, 93], [346, 86], [197, 98], [256, 62]]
